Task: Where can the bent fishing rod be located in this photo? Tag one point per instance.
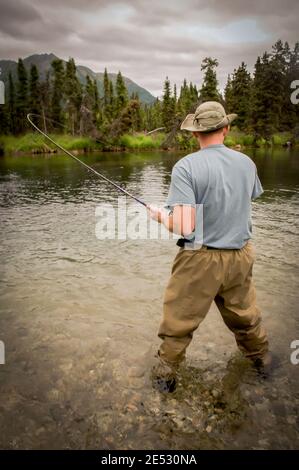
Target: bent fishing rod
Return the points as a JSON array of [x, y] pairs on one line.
[[80, 161]]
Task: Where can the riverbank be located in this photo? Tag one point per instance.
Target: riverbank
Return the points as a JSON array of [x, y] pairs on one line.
[[37, 144]]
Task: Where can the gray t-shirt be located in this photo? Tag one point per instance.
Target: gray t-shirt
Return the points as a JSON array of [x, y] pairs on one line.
[[224, 181]]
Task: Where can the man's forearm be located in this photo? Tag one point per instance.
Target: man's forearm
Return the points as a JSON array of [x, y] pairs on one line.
[[166, 219], [177, 221]]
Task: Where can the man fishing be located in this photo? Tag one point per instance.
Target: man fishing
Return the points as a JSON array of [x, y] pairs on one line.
[[223, 182]]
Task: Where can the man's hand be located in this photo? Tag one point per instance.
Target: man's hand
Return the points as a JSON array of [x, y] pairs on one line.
[[156, 213]]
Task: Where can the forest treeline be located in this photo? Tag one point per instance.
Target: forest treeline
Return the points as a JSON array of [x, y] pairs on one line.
[[261, 100]]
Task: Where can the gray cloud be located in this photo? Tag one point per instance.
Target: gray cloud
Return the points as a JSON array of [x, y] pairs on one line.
[[14, 15], [145, 39]]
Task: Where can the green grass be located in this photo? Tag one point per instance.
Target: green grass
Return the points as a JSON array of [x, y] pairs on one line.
[[237, 137], [186, 141], [141, 141], [230, 141], [36, 143], [261, 142], [281, 139], [248, 140], [75, 143], [25, 143]]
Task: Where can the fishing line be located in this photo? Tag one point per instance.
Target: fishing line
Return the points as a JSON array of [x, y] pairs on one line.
[[80, 161]]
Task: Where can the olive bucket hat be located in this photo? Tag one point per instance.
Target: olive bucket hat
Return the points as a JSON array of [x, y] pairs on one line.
[[209, 116]]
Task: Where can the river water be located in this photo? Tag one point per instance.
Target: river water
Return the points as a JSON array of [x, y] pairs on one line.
[[79, 316]]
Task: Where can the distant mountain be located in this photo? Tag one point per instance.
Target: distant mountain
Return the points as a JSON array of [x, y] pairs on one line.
[[43, 63]]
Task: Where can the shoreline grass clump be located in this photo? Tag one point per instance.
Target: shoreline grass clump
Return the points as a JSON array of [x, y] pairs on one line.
[[281, 139], [141, 141], [75, 142], [36, 143], [186, 141]]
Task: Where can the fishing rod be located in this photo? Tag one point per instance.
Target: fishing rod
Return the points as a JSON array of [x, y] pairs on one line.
[[155, 130], [80, 161]]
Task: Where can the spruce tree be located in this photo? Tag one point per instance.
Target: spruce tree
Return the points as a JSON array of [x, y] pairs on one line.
[[106, 90], [262, 97], [238, 94], [108, 99], [57, 93], [168, 108], [228, 95], [121, 99], [136, 113], [175, 95], [193, 93], [96, 97], [89, 86], [45, 102], [209, 86], [185, 98], [34, 91], [278, 67], [11, 105], [175, 100], [73, 95], [21, 97], [3, 123], [111, 104], [92, 99]]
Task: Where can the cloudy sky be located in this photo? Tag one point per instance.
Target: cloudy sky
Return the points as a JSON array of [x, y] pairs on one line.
[[148, 39]]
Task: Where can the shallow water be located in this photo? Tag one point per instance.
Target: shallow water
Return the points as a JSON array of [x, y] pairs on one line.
[[79, 316]]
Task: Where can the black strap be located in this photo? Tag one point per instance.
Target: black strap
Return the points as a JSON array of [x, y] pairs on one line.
[[181, 242]]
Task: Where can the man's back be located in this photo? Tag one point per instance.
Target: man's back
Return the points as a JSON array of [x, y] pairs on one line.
[[224, 181]]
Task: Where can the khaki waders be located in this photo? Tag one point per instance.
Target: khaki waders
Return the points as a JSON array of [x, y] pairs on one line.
[[200, 277]]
